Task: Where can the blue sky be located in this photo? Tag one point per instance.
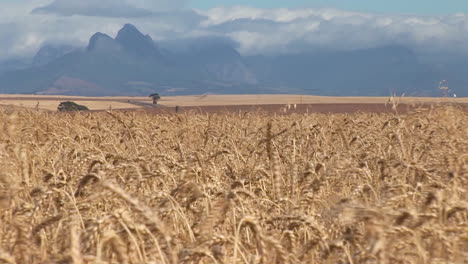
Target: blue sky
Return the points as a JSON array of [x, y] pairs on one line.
[[421, 7]]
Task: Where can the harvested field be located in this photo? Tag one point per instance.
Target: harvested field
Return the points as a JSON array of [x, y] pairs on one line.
[[213, 103], [305, 108], [279, 99], [135, 187]]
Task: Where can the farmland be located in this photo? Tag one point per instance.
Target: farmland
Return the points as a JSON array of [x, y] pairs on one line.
[[237, 187], [50, 103]]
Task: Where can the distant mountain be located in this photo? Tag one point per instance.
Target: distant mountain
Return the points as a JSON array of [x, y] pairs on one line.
[[375, 72], [133, 64], [103, 43], [48, 53], [137, 44], [14, 64], [217, 61]]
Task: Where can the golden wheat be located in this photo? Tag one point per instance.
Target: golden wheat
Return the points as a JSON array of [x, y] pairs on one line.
[[136, 187]]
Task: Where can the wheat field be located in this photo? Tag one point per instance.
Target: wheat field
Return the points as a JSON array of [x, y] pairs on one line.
[[135, 187]]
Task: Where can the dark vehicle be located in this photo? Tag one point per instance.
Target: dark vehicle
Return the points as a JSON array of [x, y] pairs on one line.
[[71, 106]]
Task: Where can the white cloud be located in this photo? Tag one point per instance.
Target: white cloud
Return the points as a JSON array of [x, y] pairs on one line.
[[110, 8], [274, 30], [159, 5], [224, 14]]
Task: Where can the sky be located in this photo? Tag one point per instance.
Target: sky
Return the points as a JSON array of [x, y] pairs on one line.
[[255, 26]]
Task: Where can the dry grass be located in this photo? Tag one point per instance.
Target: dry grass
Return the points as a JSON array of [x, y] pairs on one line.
[[71, 97], [52, 105], [233, 188]]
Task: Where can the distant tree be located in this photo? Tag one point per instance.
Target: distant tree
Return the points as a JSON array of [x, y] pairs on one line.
[[155, 98], [71, 106]]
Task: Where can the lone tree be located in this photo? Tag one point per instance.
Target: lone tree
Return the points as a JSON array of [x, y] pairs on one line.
[[71, 106], [155, 98]]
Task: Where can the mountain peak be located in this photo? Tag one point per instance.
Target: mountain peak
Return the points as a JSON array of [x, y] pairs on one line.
[[129, 27], [98, 36], [102, 42], [128, 30], [135, 43]]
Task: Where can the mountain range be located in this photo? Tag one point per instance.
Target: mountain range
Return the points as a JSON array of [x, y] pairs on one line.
[[132, 63]]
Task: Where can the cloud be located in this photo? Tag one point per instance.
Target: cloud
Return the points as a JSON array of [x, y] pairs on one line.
[[159, 5], [105, 8], [293, 30], [110, 8], [187, 44], [254, 30]]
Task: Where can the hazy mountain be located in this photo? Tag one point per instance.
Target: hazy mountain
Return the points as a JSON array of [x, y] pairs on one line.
[[133, 64], [48, 53], [137, 44], [103, 43], [216, 60], [109, 65], [379, 71], [14, 64]]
